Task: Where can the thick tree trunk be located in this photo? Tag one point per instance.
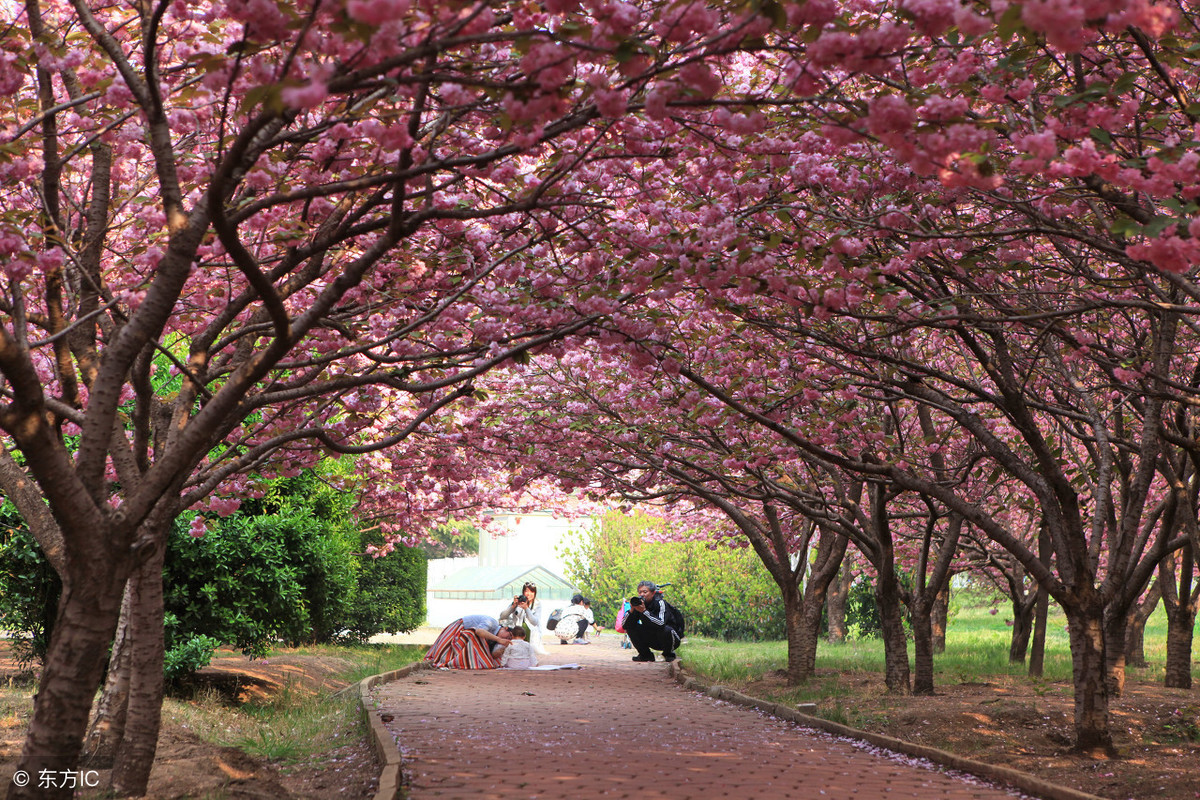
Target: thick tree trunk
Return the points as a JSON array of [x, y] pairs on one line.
[[1022, 629], [135, 756], [895, 643], [831, 551], [1114, 651], [800, 660], [941, 616], [1041, 606], [108, 723], [1135, 627], [808, 635], [1180, 602], [1037, 648], [1180, 627], [922, 627], [87, 618], [835, 603], [1085, 624]]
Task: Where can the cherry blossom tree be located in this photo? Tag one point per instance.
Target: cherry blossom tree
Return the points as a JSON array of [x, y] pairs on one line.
[[984, 225], [238, 231]]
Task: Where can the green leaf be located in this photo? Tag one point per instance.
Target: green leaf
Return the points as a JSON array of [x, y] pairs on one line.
[[1010, 23], [1125, 227], [1124, 84], [1158, 225]]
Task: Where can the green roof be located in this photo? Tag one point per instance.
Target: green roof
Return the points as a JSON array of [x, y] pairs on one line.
[[502, 582]]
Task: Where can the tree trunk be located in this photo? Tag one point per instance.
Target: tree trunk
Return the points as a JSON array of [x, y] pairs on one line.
[[1135, 627], [1085, 624], [1022, 629], [1037, 649], [87, 618], [941, 616], [135, 756], [831, 552], [922, 627], [835, 603], [1180, 602], [800, 660], [887, 598], [108, 723], [1180, 627], [895, 642], [1041, 604], [1114, 651]]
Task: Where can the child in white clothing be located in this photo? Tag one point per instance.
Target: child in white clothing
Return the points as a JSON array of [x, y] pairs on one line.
[[519, 654]]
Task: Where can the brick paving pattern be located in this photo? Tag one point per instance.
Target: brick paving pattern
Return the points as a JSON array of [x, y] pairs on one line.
[[621, 729]]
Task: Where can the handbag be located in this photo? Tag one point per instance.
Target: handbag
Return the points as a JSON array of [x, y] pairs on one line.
[[555, 616], [621, 615]]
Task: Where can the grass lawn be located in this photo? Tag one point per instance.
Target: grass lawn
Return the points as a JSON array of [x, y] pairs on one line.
[[977, 643], [299, 720]]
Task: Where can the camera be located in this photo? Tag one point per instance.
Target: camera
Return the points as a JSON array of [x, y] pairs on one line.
[[636, 601]]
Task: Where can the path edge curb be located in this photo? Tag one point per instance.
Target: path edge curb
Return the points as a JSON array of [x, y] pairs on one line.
[[1022, 781], [383, 744]]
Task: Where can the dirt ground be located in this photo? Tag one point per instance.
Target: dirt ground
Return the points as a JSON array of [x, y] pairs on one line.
[[1027, 727], [188, 768], [1157, 731]]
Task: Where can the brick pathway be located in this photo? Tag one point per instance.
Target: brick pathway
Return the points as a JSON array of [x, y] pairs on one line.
[[626, 730]]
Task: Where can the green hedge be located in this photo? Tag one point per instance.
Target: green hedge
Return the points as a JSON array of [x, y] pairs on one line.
[[289, 567], [723, 592]]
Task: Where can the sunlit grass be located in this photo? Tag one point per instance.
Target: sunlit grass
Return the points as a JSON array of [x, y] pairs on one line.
[[16, 704], [294, 723], [977, 647]]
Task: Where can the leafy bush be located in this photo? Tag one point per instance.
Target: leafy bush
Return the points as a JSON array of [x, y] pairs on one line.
[[29, 589], [862, 610], [724, 592], [187, 657], [390, 596], [289, 567], [292, 567], [242, 583]]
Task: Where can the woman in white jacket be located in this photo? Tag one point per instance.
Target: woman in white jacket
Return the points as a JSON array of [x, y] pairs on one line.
[[525, 610]]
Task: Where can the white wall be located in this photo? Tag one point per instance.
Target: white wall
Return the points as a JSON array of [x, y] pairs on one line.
[[532, 538], [441, 568], [442, 611], [527, 540]]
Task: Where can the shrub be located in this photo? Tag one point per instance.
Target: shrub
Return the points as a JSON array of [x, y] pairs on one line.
[[390, 596], [187, 657], [240, 583], [724, 592], [289, 567], [29, 589]]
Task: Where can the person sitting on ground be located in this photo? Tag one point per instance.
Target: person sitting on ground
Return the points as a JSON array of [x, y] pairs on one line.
[[650, 625], [574, 622], [519, 653]]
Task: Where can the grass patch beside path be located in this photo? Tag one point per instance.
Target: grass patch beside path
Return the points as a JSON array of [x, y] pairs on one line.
[[294, 723]]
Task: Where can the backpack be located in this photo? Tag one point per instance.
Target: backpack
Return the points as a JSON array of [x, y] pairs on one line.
[[555, 616], [673, 617]]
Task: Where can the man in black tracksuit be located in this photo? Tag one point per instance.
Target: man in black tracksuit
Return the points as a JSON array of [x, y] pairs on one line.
[[647, 625]]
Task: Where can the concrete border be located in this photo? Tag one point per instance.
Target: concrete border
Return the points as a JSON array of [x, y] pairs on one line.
[[391, 783], [1023, 781]]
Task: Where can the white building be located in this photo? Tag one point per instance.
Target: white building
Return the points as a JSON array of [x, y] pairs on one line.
[[526, 547]]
